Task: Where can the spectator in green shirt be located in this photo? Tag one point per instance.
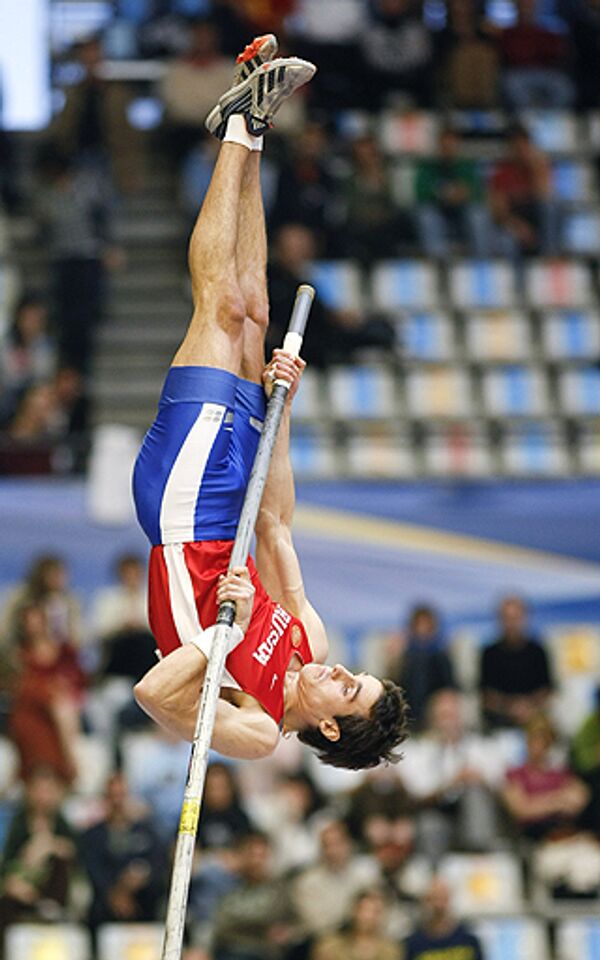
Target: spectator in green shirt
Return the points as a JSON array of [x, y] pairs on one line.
[[450, 201], [585, 749]]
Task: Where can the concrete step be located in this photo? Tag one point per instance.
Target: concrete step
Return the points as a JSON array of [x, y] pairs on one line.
[[113, 390], [128, 415], [135, 337], [150, 230], [145, 367]]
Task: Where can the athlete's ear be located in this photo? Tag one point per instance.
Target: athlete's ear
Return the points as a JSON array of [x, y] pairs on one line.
[[330, 729]]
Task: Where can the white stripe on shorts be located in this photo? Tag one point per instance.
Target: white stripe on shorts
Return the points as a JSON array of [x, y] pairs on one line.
[[178, 507], [181, 593]]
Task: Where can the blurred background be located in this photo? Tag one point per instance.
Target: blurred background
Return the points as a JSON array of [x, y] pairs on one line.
[[438, 182]]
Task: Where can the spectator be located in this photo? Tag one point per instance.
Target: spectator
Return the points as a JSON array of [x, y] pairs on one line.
[[192, 85], [544, 798], [470, 62], [521, 199], [582, 18], [156, 766], [453, 775], [93, 127], [419, 662], [125, 861], [46, 584], [324, 893], [256, 921], [398, 52], [120, 622], [288, 814], [534, 61], [39, 858], [586, 762], [34, 419], [364, 936], [333, 335], [402, 870], [439, 933], [73, 211], [44, 719], [222, 817], [381, 796], [306, 184], [450, 201], [371, 226], [29, 355], [514, 679]]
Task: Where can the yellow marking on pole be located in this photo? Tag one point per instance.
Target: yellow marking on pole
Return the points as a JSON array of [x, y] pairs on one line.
[[190, 814]]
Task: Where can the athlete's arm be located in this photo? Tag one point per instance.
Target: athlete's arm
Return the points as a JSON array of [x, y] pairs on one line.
[[276, 559]]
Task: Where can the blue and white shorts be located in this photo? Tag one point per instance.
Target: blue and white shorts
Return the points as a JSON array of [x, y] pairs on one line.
[[192, 471]]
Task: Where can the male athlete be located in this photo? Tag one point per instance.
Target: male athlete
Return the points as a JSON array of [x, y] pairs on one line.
[[193, 469]]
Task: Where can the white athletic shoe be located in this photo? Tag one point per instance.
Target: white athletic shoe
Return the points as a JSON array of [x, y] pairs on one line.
[[253, 56], [260, 95]]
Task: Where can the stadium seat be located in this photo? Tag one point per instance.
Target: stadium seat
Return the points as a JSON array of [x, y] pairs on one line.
[[581, 233], [312, 451], [513, 938], [408, 131], [308, 404], [459, 449], [476, 284], [478, 122], [578, 939], [405, 285], [484, 883], [588, 447], [378, 453], [572, 181], [571, 335], [575, 653], [338, 283], [580, 391], [554, 131], [428, 337], [558, 283], [514, 391], [362, 392], [439, 392], [534, 449], [56, 941], [94, 763], [126, 941], [498, 336]]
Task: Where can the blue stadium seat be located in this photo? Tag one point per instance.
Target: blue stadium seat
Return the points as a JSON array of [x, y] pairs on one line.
[[554, 131], [408, 132], [361, 392], [572, 180], [534, 449], [338, 283], [32, 941], [438, 392], [571, 334], [498, 336], [458, 449], [476, 284], [581, 233], [405, 285], [428, 337], [558, 283], [580, 391], [513, 938], [312, 452], [578, 939], [514, 391]]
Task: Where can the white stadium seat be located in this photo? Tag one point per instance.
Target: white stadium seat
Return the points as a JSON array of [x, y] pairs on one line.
[[513, 938], [458, 449], [56, 941], [130, 941], [558, 283], [377, 453], [438, 392], [484, 883], [554, 131], [408, 131], [535, 448], [498, 336]]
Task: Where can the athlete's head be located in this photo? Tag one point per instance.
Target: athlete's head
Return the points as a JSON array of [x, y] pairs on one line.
[[352, 720]]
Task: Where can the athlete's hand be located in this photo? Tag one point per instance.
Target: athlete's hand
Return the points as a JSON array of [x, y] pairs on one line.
[[283, 366], [237, 586]]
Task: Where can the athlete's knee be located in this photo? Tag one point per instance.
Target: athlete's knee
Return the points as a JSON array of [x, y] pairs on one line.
[[257, 307]]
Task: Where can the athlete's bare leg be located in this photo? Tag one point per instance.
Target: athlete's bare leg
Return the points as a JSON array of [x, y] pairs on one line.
[[251, 256], [215, 336]]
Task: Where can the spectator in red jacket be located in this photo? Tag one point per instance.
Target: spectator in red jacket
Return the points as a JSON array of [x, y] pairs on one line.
[[535, 60]]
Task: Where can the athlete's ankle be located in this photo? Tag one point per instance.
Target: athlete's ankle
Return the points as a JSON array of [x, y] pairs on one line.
[[237, 132]]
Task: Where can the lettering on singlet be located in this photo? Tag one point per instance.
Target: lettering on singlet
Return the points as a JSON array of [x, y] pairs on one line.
[[279, 623]]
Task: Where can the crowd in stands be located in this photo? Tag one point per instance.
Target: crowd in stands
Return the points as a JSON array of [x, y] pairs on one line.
[[294, 861]]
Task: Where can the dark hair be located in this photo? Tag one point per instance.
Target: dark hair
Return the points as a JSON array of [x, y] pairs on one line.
[[365, 741], [36, 577]]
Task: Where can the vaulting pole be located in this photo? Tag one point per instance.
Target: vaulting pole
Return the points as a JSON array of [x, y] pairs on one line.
[[190, 810]]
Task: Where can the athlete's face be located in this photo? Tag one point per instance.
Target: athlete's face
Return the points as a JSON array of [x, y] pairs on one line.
[[328, 692]]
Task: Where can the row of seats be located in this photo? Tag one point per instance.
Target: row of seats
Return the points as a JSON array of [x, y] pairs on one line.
[[558, 132], [405, 285], [373, 392], [507, 938], [535, 448]]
